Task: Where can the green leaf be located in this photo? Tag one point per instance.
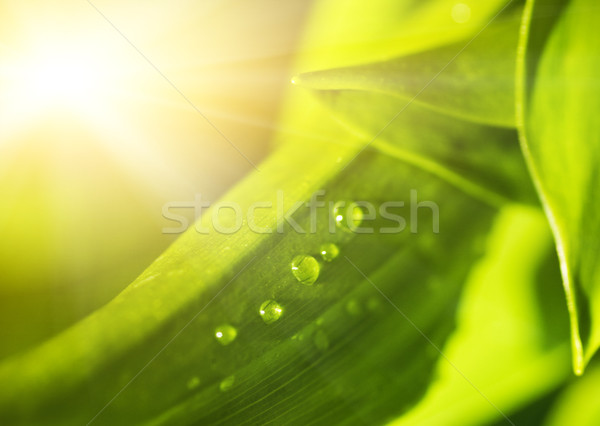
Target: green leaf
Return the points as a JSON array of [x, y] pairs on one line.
[[339, 343], [347, 32], [485, 162], [559, 97], [340, 352], [573, 405], [512, 305], [471, 79]]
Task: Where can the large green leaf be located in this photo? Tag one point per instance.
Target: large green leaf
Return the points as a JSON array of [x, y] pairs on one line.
[[471, 79], [558, 104], [338, 344]]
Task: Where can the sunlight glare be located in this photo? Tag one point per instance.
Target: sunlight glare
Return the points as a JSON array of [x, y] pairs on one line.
[[64, 77]]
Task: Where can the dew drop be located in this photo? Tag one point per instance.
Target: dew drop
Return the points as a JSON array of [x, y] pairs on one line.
[[321, 340], [347, 216], [374, 304], [193, 383], [329, 251], [270, 311], [225, 334], [353, 307], [461, 13], [227, 383], [306, 269]]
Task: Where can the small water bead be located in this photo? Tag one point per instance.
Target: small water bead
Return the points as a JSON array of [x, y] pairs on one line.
[[270, 311], [329, 251], [374, 304], [298, 336], [348, 216], [306, 269], [227, 383], [193, 383], [461, 13], [353, 307], [321, 340], [225, 334]]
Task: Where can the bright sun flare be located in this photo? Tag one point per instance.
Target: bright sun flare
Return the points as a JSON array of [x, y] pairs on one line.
[[57, 67], [63, 77]]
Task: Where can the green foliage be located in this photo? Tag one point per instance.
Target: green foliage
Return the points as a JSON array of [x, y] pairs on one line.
[[561, 140], [471, 79], [276, 362], [464, 326], [512, 305], [573, 405]]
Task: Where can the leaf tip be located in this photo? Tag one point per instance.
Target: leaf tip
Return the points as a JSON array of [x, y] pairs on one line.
[[303, 80], [578, 360], [315, 80]]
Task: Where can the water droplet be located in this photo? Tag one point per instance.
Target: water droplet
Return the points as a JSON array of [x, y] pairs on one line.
[[306, 269], [374, 304], [227, 383], [353, 307], [321, 340], [461, 13], [270, 311], [225, 334], [193, 383], [348, 216], [329, 251]]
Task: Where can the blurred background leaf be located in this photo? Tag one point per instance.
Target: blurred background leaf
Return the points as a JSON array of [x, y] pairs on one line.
[[561, 141], [512, 337], [575, 404], [472, 79]]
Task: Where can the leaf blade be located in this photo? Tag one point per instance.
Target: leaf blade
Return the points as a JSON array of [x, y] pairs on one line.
[[560, 142], [469, 79]]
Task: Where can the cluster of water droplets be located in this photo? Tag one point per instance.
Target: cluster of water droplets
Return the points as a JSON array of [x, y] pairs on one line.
[[306, 269]]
